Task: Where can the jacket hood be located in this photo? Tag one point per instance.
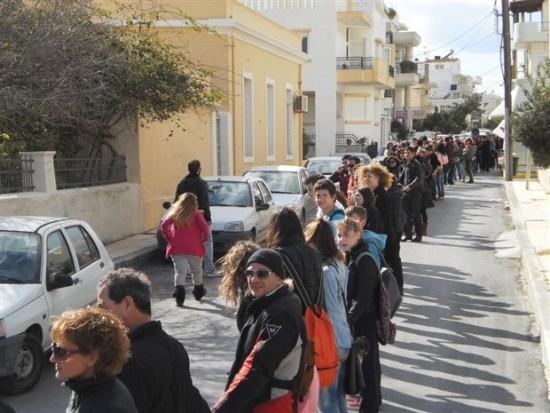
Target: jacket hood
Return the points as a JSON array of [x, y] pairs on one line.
[[378, 240]]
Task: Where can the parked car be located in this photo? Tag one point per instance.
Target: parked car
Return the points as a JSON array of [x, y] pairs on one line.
[[286, 184], [240, 209], [47, 265], [327, 165]]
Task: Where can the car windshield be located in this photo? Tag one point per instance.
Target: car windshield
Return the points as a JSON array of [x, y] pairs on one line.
[[19, 257], [223, 193], [279, 182], [325, 166]]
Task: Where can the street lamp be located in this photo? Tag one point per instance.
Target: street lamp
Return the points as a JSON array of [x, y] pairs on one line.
[[507, 89]]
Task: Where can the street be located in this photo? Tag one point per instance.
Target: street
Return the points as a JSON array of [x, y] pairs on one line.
[[464, 333]]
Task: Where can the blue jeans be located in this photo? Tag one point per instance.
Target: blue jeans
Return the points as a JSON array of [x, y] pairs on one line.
[[439, 186], [332, 399], [208, 262]]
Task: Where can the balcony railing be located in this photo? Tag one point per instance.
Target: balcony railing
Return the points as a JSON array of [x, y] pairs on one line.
[[359, 63]]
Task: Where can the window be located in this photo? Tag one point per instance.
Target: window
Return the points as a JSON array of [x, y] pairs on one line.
[[59, 258], [270, 120], [248, 117], [84, 246], [257, 194], [439, 67], [304, 44], [289, 122], [265, 192]]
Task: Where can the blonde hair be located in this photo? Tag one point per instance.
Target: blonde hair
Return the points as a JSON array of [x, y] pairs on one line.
[[386, 177], [348, 224], [95, 330], [184, 209]]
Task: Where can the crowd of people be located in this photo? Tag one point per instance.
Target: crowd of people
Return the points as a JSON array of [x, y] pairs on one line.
[[115, 357]]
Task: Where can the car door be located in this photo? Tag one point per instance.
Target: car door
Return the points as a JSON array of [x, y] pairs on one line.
[[259, 216], [59, 262], [89, 261], [265, 216]]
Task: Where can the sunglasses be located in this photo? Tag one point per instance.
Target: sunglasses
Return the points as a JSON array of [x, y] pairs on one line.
[[60, 353], [258, 273]]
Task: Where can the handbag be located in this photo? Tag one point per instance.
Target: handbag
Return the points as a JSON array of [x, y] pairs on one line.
[[354, 380]]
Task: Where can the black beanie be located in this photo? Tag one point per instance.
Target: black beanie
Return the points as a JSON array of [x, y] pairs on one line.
[[271, 259]]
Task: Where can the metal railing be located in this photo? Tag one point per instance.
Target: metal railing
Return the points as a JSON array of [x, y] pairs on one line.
[[84, 172], [16, 175], [309, 138], [346, 138], [354, 63]]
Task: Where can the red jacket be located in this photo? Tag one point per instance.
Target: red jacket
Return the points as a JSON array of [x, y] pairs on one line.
[[187, 240]]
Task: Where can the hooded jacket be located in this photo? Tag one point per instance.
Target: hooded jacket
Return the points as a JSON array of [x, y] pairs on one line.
[[195, 184]]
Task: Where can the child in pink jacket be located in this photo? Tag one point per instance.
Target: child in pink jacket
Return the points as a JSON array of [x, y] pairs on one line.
[[186, 230]]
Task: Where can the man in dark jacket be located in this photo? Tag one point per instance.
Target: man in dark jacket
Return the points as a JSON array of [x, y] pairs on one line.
[[157, 372], [412, 178], [193, 183]]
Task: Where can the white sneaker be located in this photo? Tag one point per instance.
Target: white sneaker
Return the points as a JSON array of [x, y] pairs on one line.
[[214, 274]]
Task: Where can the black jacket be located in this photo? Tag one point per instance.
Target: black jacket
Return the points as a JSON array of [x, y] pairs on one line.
[[362, 286], [309, 267], [157, 373], [99, 394], [198, 186], [270, 347]]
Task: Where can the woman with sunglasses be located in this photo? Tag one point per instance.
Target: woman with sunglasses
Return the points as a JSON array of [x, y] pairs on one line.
[[269, 350], [89, 348]]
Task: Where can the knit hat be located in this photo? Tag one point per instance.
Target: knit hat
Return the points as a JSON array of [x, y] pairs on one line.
[[271, 259]]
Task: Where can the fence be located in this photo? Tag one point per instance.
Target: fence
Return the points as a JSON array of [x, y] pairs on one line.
[[16, 175], [84, 172]]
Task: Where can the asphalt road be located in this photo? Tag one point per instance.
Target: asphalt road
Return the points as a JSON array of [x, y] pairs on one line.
[[464, 339]]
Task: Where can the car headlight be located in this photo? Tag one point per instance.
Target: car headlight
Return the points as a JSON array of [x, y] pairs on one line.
[[234, 226], [2, 328]]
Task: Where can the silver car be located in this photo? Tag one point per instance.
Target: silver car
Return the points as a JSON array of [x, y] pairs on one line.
[[326, 165], [286, 184]]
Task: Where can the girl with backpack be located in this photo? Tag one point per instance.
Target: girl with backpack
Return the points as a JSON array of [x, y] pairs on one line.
[[362, 308], [332, 399]]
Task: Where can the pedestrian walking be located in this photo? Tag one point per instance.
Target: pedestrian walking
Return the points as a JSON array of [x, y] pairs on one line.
[[89, 348], [193, 183], [469, 153], [157, 373], [186, 231]]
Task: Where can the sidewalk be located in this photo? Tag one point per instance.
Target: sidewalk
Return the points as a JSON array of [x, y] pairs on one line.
[[131, 251], [531, 215]]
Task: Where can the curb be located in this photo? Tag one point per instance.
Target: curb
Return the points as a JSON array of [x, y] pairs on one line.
[[532, 273], [136, 258]]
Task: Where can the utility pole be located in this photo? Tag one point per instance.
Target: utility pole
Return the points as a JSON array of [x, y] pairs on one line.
[[508, 153]]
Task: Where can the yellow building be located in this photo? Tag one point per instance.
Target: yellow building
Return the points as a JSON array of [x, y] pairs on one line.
[[257, 66]]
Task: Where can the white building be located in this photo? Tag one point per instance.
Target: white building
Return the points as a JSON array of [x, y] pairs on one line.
[[351, 67]]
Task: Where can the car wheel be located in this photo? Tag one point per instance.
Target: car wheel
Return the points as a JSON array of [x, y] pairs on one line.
[[253, 235], [28, 368]]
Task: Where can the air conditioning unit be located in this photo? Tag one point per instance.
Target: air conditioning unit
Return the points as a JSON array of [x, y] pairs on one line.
[[300, 104]]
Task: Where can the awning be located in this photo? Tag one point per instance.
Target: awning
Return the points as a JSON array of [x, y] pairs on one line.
[[499, 130], [518, 97]]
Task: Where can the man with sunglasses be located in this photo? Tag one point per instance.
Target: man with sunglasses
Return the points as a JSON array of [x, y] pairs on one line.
[[269, 351], [157, 372]]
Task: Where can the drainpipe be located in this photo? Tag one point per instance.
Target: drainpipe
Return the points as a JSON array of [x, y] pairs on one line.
[[232, 103]]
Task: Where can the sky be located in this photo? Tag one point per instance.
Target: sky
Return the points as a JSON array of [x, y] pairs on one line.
[[468, 27]]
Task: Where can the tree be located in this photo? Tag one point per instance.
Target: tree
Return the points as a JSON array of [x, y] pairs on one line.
[[454, 120], [531, 122], [68, 74]]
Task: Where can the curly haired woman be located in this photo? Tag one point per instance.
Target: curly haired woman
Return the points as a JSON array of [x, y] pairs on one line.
[[89, 348]]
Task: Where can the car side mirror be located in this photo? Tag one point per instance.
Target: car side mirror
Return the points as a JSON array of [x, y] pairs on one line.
[[262, 207], [60, 281], [166, 205]]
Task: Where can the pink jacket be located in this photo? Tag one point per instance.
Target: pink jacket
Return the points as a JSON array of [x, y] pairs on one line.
[[187, 240]]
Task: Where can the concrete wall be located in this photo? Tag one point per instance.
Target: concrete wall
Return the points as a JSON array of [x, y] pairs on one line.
[[113, 211]]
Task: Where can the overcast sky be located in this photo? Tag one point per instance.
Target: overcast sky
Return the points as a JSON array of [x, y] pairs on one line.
[[468, 27]]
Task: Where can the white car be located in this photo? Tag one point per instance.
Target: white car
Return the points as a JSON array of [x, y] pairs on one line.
[[240, 208], [47, 265], [286, 185], [326, 165]]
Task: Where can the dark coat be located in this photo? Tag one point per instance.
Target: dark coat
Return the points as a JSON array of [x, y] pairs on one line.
[[270, 347], [99, 394], [157, 373], [195, 184]]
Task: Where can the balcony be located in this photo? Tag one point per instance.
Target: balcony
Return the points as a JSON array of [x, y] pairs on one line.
[[405, 78], [526, 33], [359, 70], [406, 38], [354, 19]]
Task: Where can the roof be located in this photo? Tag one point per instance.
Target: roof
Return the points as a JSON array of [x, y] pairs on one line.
[[26, 223], [288, 168]]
